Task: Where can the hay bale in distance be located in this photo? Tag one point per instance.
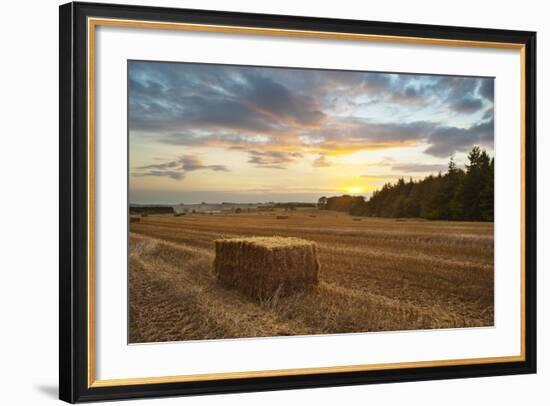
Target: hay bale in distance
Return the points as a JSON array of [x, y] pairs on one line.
[[356, 219], [262, 267], [282, 217], [134, 219]]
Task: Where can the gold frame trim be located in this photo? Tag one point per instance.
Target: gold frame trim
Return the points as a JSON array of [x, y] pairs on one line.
[[94, 22]]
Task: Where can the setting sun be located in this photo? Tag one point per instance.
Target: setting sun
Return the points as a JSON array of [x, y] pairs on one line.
[[355, 189]]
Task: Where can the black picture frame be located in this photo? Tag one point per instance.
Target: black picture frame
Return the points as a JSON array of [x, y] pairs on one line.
[[73, 255]]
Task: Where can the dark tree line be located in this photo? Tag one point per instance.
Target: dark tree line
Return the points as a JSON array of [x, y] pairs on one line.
[[151, 210], [459, 194]]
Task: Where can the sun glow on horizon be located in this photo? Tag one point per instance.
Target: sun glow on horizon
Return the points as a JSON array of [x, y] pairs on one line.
[[353, 190]]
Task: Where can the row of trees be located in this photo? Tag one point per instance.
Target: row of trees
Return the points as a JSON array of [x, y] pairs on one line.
[[151, 209], [459, 194]]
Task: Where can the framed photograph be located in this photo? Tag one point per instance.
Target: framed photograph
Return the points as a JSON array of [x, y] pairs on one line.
[[257, 202]]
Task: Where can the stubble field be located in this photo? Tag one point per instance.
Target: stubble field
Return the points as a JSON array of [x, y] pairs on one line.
[[376, 275]]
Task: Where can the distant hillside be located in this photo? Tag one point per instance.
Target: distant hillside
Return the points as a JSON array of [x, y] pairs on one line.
[[205, 207], [232, 206]]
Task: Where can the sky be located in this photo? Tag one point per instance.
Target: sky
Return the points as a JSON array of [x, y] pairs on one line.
[[223, 133]]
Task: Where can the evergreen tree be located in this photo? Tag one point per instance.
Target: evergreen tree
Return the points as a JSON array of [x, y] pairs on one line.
[[488, 194]]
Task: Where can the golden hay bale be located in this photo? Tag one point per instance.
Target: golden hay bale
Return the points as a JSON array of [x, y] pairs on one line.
[[282, 217], [356, 219], [134, 219], [262, 267]]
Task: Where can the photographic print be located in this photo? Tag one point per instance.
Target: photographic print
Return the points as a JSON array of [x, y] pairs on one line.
[[267, 201]]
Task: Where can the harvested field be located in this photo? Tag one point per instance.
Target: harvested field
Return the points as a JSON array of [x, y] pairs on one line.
[[375, 275]]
